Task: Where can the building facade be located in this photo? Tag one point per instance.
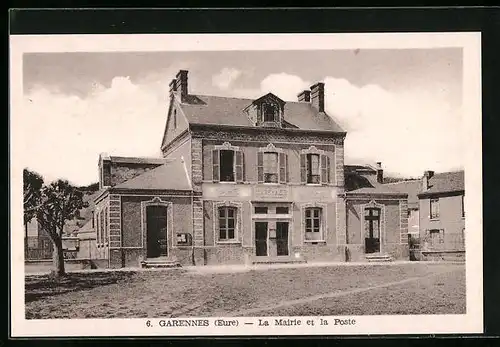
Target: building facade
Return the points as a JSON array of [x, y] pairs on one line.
[[442, 215], [243, 180]]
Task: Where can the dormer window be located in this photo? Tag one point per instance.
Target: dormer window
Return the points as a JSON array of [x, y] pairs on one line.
[[266, 111], [270, 113]]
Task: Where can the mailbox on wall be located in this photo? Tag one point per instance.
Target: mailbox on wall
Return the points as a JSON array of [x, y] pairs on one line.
[[184, 239]]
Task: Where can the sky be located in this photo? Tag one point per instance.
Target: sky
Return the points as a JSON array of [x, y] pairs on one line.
[[401, 107]]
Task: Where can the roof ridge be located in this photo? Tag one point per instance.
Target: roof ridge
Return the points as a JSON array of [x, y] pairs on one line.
[[416, 180]]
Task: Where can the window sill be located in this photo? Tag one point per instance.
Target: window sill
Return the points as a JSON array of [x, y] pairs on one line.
[[314, 184], [315, 241], [226, 182], [228, 242], [434, 219]]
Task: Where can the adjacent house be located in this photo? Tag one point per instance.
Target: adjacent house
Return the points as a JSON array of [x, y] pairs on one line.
[[442, 215], [244, 180]]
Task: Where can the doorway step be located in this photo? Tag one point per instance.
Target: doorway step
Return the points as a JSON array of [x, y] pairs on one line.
[[378, 257], [284, 259], [160, 262]]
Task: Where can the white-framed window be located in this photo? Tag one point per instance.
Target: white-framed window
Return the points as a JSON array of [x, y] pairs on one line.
[[272, 165], [227, 223], [228, 164], [314, 166], [434, 208], [313, 224], [271, 171], [270, 112]]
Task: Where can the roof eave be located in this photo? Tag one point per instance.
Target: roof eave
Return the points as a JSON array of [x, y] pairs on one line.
[[270, 129], [441, 193]]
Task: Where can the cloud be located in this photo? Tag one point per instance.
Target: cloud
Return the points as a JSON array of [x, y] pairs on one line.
[[64, 134], [225, 78], [409, 131], [284, 85]]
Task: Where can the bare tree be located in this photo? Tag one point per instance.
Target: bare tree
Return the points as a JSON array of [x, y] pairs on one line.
[[32, 185], [60, 202]]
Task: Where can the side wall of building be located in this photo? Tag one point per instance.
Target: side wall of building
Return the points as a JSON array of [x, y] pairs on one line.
[[450, 221], [393, 227]]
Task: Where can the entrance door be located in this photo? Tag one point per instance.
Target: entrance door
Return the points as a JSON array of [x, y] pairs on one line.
[[156, 223], [372, 230], [282, 238], [261, 238]]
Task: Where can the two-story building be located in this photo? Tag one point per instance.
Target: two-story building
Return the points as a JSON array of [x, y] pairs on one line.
[[242, 180], [442, 215]]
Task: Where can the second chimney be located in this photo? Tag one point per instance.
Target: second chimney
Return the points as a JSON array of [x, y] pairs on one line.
[[380, 173], [304, 96], [181, 84], [425, 180], [318, 96]]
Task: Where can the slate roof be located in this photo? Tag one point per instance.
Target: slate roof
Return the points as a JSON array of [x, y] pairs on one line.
[[171, 175], [218, 110], [445, 182], [377, 189], [137, 160], [412, 188]]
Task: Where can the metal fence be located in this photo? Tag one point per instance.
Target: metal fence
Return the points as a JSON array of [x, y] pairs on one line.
[[41, 248]]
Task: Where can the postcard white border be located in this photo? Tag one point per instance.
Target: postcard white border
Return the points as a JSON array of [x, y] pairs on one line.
[[471, 322]]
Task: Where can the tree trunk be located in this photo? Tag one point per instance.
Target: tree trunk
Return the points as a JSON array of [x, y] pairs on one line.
[[58, 258]]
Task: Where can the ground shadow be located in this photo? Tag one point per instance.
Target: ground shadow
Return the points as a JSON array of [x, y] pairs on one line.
[[39, 287]]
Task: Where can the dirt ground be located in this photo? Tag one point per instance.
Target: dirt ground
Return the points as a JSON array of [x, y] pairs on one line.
[[417, 288]]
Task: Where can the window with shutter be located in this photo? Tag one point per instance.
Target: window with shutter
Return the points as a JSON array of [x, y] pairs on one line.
[[270, 167], [239, 166], [283, 159], [313, 168], [260, 167], [215, 165], [303, 169]]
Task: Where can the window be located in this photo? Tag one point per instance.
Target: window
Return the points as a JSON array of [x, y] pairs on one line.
[[434, 207], [463, 205], [436, 238], [313, 219], [260, 210], [313, 168], [175, 119], [102, 227], [270, 167], [281, 210], [269, 113], [227, 223], [227, 164], [106, 230]]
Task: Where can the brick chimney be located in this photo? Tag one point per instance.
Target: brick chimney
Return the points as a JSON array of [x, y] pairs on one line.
[[380, 173], [318, 96], [181, 84], [173, 87], [425, 179], [304, 96]]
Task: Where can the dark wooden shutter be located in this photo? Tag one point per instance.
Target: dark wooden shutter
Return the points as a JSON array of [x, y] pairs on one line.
[[324, 169], [215, 165], [260, 167], [283, 165], [328, 170], [239, 165], [303, 171]]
